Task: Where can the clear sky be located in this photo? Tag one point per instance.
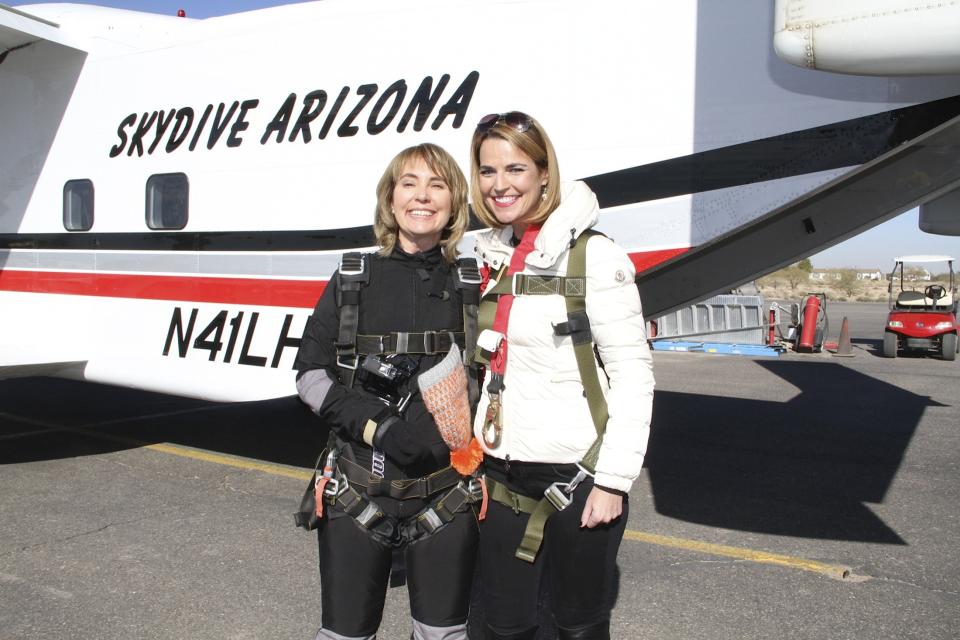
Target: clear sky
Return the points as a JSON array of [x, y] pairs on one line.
[[874, 248], [194, 8], [877, 247]]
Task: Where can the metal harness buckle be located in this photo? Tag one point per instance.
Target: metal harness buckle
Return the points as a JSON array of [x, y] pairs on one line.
[[369, 515], [471, 489], [516, 284], [341, 363], [430, 520], [470, 274], [558, 495], [349, 267], [336, 486], [431, 337], [402, 405]]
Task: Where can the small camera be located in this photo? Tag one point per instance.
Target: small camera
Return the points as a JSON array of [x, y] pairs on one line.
[[385, 377], [378, 367]]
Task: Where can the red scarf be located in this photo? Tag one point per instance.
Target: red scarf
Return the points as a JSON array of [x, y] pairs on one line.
[[498, 361]]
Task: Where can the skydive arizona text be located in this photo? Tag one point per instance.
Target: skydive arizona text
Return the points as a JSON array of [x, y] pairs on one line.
[[169, 130]]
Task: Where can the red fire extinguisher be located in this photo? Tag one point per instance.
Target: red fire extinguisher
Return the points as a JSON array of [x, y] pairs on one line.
[[813, 323]]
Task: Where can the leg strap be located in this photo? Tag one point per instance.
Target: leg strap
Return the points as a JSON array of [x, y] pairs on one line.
[[509, 498], [533, 534], [441, 511], [539, 510]]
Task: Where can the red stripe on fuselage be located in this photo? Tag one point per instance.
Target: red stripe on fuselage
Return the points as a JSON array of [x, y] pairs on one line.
[[646, 259], [255, 291], [214, 289]]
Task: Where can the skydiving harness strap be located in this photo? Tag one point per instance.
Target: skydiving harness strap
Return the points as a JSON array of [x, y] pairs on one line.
[[406, 489], [467, 279], [556, 497], [428, 342], [452, 494], [354, 274], [573, 288]]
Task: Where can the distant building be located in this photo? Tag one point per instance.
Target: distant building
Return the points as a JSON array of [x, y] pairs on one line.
[[917, 274], [822, 275], [876, 274]]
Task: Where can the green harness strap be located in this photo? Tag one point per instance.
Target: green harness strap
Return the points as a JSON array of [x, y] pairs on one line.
[[578, 328], [487, 310], [573, 288], [467, 279], [539, 511]]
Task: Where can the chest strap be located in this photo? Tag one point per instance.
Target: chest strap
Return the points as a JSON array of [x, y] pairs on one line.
[[354, 273], [428, 342]]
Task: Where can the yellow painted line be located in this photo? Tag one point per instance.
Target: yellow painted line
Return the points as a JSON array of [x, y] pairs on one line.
[[230, 461], [837, 572], [197, 454], [189, 452], [833, 571]]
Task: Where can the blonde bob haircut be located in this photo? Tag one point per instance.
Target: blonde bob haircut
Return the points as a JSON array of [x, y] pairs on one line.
[[535, 143], [385, 226]]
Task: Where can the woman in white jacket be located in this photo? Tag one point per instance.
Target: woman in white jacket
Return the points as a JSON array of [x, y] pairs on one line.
[[550, 476]]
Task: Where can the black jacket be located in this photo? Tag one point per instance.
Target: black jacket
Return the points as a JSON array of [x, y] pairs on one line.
[[412, 293]]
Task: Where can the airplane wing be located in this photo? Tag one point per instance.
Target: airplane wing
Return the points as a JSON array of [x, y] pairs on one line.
[[19, 29], [919, 170]]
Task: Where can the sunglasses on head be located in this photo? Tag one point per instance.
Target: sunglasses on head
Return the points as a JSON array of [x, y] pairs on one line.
[[514, 119]]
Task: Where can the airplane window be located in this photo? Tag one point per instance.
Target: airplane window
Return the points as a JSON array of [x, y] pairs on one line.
[[167, 201], [78, 205]]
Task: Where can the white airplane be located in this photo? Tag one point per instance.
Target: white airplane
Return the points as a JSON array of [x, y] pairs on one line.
[[174, 193]]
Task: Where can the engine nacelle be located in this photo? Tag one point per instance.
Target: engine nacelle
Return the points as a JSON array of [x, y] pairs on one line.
[[942, 215], [869, 37]]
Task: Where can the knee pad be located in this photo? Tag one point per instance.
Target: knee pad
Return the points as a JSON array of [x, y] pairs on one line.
[[426, 632], [326, 634]]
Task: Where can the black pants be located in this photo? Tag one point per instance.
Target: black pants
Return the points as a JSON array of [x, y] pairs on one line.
[[580, 563], [355, 571]]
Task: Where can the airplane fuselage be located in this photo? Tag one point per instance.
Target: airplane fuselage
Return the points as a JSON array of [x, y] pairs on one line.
[[229, 162]]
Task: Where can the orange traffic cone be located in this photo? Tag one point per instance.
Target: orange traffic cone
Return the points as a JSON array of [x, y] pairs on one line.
[[843, 347]]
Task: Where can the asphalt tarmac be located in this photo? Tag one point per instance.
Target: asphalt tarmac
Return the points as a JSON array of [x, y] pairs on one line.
[[805, 496]]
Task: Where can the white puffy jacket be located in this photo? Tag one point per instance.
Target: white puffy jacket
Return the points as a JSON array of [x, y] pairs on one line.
[[545, 414]]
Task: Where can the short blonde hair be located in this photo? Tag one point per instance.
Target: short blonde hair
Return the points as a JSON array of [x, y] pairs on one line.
[[535, 143], [385, 226]]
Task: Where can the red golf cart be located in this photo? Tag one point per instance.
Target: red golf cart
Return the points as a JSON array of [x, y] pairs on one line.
[[923, 313]]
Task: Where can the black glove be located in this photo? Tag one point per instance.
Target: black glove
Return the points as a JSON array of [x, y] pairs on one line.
[[404, 442]]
